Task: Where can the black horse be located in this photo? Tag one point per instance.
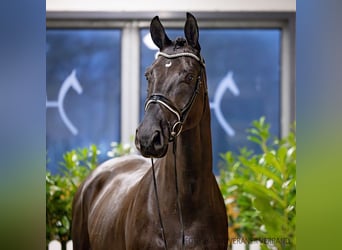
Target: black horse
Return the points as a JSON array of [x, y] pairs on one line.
[[174, 202]]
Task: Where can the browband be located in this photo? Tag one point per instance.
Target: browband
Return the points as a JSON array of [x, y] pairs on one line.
[[188, 54]]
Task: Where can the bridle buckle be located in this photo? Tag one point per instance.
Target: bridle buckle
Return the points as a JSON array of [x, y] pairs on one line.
[[176, 130]]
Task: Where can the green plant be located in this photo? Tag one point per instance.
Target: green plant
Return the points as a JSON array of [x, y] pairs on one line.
[[60, 188], [260, 189], [119, 149]]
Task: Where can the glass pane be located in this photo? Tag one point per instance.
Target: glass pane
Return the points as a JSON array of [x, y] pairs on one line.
[[243, 72], [83, 90]]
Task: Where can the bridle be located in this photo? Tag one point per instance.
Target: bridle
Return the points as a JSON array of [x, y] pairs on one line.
[[175, 130], [181, 114]]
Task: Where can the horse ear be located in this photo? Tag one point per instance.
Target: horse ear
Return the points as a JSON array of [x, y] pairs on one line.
[[191, 31], [158, 34]]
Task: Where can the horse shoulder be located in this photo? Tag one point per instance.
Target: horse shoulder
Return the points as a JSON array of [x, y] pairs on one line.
[[105, 192]]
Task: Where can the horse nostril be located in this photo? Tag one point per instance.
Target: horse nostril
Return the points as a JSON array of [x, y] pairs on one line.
[[156, 139], [150, 143]]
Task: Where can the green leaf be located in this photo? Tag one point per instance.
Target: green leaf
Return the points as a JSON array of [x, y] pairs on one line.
[[271, 159], [259, 190], [262, 204], [282, 151], [254, 139], [266, 172]]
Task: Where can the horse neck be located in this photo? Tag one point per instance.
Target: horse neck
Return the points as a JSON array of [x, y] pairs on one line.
[[194, 147], [193, 158]]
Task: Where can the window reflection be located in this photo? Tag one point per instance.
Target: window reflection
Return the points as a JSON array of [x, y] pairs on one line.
[[83, 90]]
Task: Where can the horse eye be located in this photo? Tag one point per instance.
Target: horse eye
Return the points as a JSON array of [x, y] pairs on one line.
[[190, 78]]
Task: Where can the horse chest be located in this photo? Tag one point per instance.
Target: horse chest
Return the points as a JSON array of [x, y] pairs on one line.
[[148, 233]]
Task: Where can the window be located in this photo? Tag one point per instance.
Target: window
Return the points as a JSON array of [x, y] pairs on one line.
[[83, 90], [249, 62]]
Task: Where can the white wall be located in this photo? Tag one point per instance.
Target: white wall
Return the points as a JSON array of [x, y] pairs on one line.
[[173, 5]]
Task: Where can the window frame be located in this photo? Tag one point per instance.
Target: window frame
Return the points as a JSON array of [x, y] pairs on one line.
[[130, 24]]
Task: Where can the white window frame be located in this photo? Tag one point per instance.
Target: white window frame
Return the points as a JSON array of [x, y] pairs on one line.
[[131, 22]]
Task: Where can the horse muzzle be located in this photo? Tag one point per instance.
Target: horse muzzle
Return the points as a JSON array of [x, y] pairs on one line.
[[150, 141]]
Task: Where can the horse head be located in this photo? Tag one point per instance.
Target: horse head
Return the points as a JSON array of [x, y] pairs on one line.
[[175, 82]]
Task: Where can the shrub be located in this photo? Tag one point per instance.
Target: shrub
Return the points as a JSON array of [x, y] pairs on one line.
[[260, 189]]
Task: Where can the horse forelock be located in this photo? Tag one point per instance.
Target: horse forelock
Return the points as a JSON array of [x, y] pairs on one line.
[[179, 42]]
